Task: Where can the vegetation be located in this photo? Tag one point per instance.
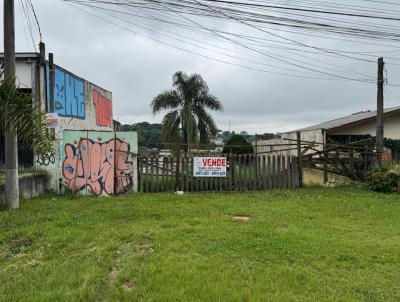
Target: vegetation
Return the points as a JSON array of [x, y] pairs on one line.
[[393, 144], [299, 245], [188, 122], [18, 117], [149, 134], [238, 144], [385, 179], [225, 135]]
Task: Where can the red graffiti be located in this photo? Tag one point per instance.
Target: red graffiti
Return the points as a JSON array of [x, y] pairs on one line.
[[101, 167], [104, 115]]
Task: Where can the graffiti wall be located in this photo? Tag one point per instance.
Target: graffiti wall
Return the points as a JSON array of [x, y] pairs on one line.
[[99, 163], [69, 94], [104, 116], [89, 157], [79, 104]]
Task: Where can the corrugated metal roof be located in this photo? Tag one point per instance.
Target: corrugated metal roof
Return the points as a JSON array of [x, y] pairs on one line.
[[354, 118]]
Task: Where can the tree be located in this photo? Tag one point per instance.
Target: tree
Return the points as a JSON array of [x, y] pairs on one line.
[[267, 136], [149, 134], [19, 117], [238, 144], [188, 122]]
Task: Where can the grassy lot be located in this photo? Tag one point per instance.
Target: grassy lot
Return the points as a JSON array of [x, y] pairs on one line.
[[300, 245]]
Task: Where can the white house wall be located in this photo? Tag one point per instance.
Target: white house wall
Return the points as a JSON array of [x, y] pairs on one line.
[[24, 70], [391, 124], [316, 136]]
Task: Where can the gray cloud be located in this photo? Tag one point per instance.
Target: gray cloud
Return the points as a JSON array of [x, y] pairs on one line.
[[136, 69]]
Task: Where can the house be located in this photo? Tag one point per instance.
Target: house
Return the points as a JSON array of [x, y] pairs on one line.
[[89, 156], [352, 128]]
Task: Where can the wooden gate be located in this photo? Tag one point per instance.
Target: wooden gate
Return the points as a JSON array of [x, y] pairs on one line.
[[244, 173]]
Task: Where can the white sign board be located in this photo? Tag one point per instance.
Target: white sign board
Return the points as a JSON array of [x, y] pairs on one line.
[[52, 120], [209, 166]]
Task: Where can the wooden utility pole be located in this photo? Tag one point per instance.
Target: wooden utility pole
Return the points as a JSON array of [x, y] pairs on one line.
[[51, 82], [380, 112], [299, 159], [11, 144]]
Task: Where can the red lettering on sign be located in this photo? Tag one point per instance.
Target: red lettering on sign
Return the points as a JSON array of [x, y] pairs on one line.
[[213, 162]]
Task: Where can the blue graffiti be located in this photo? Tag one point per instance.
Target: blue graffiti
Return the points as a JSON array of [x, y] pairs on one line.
[[69, 169], [69, 95]]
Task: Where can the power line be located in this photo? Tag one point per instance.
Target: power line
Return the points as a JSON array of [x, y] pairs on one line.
[[36, 19], [257, 17]]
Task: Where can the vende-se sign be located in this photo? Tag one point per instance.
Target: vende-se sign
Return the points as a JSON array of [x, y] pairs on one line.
[[209, 166]]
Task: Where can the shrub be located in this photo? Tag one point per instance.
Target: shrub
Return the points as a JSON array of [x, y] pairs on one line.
[[386, 179], [238, 144]]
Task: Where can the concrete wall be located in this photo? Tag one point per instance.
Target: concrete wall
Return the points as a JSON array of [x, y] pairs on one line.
[[80, 105], [95, 162], [89, 157], [313, 177], [265, 146], [24, 69], [309, 136], [30, 186]]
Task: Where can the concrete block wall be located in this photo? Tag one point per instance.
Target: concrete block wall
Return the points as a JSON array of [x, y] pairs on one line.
[[30, 185], [312, 177]]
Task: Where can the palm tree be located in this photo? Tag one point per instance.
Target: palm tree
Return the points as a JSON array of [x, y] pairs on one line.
[[188, 122], [19, 117]]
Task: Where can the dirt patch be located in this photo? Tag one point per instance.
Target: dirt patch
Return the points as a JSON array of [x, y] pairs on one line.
[[112, 275], [128, 284], [241, 218], [145, 249]]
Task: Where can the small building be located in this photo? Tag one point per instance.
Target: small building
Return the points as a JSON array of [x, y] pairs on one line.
[[89, 156], [343, 130]]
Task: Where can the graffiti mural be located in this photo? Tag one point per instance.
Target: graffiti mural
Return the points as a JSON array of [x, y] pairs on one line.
[[103, 110], [69, 95], [101, 167], [46, 159]]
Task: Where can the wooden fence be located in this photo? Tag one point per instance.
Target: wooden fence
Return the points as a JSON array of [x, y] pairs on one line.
[[244, 173], [352, 160]]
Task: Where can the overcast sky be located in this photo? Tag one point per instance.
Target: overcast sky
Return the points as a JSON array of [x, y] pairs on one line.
[[136, 69]]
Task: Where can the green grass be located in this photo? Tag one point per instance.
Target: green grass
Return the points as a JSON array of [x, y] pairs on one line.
[[300, 245]]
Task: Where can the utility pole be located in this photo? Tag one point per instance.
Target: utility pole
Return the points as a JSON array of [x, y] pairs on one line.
[[11, 144], [380, 112]]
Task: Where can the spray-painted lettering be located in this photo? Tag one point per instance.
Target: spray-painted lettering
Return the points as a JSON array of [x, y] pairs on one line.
[[103, 110], [69, 96], [100, 167]]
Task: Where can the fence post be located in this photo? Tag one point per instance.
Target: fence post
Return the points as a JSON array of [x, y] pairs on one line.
[[178, 171], [299, 159], [232, 168], [325, 165]]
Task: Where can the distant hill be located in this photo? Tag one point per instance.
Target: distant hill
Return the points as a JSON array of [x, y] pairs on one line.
[[149, 134]]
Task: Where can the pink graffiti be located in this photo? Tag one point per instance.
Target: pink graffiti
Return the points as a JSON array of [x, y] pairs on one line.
[[101, 167], [103, 110]]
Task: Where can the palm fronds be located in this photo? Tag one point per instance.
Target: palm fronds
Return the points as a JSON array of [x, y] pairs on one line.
[[18, 116], [189, 120]]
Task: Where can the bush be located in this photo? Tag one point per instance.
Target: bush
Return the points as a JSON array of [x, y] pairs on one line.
[[386, 179], [238, 144]]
